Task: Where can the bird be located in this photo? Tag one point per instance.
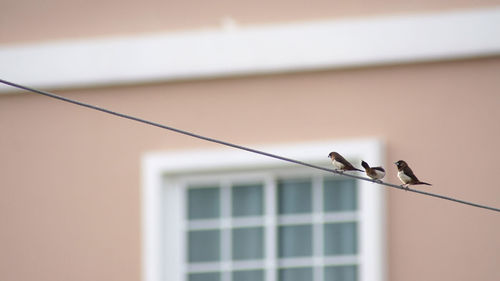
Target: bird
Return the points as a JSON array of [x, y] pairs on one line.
[[376, 173], [406, 175], [340, 163]]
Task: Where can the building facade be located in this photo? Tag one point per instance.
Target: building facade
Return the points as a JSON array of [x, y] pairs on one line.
[[86, 195]]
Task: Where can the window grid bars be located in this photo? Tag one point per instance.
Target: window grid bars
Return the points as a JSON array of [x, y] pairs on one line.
[[226, 228], [345, 216], [284, 263], [270, 228], [272, 263], [317, 189]]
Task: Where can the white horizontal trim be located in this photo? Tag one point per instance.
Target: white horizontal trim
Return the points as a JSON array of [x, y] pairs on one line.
[[254, 49], [233, 265], [307, 261], [233, 222], [317, 218], [223, 158]]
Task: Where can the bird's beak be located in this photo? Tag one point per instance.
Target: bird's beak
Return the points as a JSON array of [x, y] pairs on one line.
[[396, 163]]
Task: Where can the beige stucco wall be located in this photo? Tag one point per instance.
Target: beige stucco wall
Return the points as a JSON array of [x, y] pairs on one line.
[[31, 21], [70, 177]]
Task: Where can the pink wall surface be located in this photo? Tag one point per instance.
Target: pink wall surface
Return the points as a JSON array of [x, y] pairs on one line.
[[32, 21], [70, 177]]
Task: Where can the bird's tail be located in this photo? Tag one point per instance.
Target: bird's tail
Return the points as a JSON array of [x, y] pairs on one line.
[[365, 165], [424, 183]]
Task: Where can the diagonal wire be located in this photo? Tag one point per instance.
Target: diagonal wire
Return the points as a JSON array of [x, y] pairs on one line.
[[239, 146]]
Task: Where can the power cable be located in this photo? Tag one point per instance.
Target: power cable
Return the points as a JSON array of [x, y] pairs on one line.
[[126, 116]]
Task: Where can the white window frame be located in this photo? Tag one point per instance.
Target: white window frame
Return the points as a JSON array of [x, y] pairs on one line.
[[160, 169]]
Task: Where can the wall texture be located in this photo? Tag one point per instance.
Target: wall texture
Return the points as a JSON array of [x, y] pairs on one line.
[[32, 21], [70, 177]]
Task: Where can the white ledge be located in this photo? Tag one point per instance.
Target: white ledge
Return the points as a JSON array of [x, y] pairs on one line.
[[254, 50]]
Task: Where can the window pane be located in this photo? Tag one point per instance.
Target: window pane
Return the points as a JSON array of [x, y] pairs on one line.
[[295, 241], [294, 196], [340, 195], [203, 203], [341, 273], [248, 243], [248, 275], [204, 245], [211, 276], [247, 200], [340, 238], [295, 274]]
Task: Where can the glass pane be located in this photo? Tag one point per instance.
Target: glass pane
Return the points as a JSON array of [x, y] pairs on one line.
[[248, 275], [211, 276], [203, 203], [340, 195], [295, 274], [340, 238], [247, 200], [294, 196], [204, 245], [248, 243], [341, 273], [295, 241]]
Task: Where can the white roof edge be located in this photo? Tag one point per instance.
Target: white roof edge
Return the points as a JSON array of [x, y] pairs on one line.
[[254, 49]]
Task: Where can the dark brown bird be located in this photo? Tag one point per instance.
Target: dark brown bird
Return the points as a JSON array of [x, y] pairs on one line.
[[340, 163], [376, 173], [406, 175]]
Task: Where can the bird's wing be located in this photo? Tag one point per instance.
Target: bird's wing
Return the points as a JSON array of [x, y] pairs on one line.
[[342, 160], [410, 173]]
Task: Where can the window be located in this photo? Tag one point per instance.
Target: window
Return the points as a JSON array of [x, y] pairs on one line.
[[235, 216]]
